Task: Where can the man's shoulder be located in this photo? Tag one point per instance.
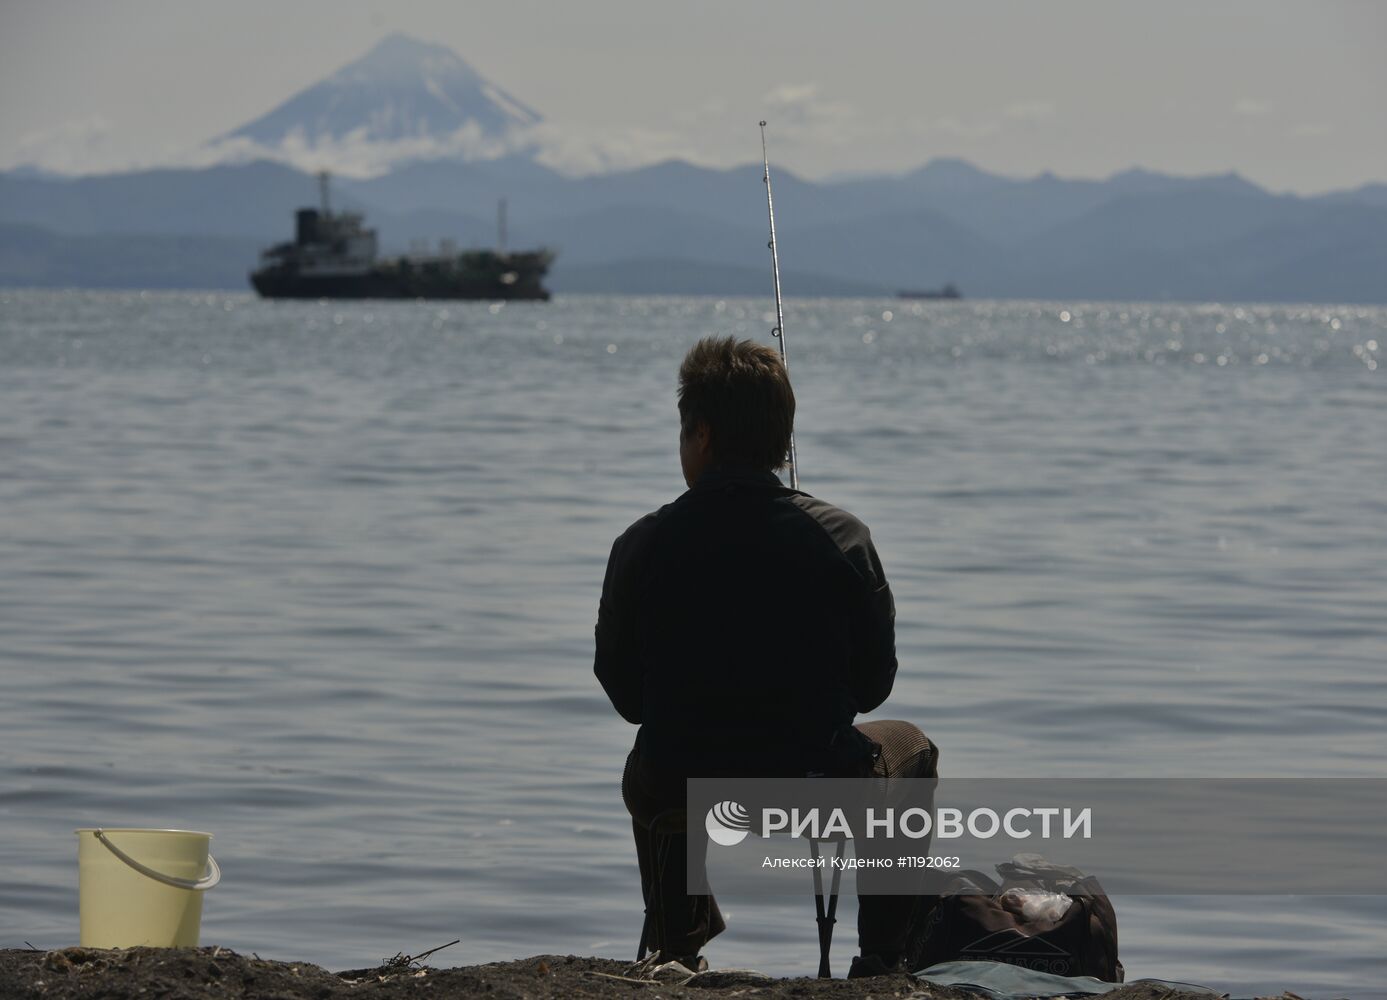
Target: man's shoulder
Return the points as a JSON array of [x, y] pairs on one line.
[[639, 529], [631, 551], [841, 525], [846, 532], [642, 528]]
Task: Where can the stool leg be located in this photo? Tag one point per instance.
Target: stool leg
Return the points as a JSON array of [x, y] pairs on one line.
[[826, 917], [819, 914], [832, 917]]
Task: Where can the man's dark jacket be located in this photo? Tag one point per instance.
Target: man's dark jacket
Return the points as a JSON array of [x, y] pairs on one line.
[[743, 626]]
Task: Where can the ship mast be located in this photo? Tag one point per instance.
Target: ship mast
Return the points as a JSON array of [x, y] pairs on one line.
[[501, 226]]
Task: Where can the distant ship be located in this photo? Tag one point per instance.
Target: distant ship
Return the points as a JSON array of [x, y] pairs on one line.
[[949, 291], [333, 256]]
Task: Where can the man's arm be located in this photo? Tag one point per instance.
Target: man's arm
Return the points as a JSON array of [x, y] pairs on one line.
[[867, 603], [872, 672], [616, 664]]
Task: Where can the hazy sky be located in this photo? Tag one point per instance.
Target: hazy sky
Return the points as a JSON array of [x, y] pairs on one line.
[[1291, 94]]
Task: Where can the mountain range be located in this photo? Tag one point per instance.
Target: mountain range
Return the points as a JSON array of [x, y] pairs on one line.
[[451, 144]]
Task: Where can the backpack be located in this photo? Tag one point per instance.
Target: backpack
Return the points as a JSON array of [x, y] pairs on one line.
[[1039, 916]]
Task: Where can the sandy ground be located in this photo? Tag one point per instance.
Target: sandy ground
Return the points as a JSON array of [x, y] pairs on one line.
[[166, 974]]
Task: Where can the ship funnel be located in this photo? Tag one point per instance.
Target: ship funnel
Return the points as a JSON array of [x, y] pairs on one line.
[[306, 228]]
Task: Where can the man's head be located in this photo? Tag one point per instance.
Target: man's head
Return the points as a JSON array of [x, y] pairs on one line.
[[736, 407]]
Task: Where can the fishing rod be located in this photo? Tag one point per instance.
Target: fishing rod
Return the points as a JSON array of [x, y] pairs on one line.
[[779, 332]]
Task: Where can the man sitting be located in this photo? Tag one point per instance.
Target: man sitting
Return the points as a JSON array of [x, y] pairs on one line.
[[743, 627]]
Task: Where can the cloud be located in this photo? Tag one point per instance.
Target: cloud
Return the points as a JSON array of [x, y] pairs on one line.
[[80, 146], [799, 114], [93, 146], [1031, 111], [90, 146], [1252, 108], [579, 151], [789, 95], [962, 128], [357, 154], [570, 151], [714, 110]]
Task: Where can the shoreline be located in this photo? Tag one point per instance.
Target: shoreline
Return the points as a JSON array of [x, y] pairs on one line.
[[213, 973]]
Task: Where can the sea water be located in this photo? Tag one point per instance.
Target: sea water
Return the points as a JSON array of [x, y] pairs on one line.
[[320, 578]]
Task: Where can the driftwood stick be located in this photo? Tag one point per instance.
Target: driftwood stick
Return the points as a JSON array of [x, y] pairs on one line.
[[624, 979], [426, 954]]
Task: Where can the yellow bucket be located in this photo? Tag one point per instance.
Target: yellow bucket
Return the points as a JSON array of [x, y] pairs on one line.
[[143, 887]]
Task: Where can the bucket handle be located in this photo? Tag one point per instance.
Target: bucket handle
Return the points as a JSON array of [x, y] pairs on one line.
[[213, 876]]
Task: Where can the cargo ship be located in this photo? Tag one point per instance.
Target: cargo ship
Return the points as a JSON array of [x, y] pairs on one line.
[[949, 291], [333, 256]]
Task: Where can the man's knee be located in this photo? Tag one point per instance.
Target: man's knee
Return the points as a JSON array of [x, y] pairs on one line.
[[647, 792], [906, 752]]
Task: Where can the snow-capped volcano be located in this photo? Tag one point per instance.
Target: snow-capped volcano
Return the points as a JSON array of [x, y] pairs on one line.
[[403, 100]]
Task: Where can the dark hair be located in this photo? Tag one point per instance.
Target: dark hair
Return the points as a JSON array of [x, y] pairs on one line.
[[741, 390]]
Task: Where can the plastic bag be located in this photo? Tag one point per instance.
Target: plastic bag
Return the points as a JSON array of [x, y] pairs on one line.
[[1035, 905]]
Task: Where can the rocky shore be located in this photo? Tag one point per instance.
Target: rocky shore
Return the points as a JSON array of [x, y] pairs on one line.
[[220, 974]]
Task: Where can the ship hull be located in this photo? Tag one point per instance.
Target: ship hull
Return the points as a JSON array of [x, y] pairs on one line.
[[283, 283]]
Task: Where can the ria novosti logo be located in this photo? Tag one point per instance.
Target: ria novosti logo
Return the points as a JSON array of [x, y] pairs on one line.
[[728, 823]]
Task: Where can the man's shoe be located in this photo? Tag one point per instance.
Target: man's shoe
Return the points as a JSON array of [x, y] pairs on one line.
[[864, 966]]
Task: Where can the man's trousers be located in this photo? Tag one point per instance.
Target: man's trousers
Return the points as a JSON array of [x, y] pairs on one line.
[[884, 923]]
